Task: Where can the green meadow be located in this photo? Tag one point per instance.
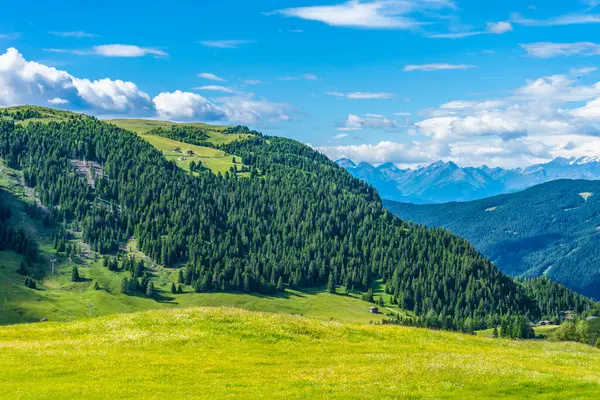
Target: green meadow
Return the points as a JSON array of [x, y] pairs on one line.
[[214, 159], [231, 353]]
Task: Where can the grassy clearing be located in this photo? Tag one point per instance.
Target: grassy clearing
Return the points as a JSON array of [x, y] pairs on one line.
[[586, 195], [59, 299], [229, 353], [215, 160], [143, 126]]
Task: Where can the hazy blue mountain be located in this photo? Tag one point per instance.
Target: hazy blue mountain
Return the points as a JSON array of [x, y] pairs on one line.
[[445, 181], [552, 229]]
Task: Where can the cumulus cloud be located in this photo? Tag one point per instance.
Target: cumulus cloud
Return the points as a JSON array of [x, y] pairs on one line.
[[385, 151], [180, 105], [377, 14], [437, 67], [547, 117], [28, 82], [550, 49]]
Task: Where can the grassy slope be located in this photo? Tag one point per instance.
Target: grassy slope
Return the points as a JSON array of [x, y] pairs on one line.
[[216, 160], [59, 299], [228, 353]]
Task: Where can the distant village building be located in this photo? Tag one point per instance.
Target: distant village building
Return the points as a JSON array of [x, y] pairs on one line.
[[189, 153], [374, 310], [177, 149], [591, 318], [545, 323]]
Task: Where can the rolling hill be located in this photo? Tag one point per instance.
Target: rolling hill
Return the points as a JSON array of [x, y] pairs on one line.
[[549, 230], [443, 182], [131, 227], [228, 353]]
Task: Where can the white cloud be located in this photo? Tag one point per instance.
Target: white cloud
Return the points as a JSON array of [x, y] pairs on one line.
[[74, 34], [369, 96], [28, 82], [569, 19], [499, 27], [114, 50], [385, 151], [211, 77], [340, 136], [10, 35], [496, 28], [58, 101], [215, 88], [583, 71], [437, 67], [377, 14], [549, 49], [244, 108], [362, 95], [180, 105], [225, 44], [368, 121], [310, 77], [403, 114], [590, 111], [126, 50], [251, 82]]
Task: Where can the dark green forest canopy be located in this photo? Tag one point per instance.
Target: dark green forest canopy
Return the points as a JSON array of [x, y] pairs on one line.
[[302, 221], [548, 230]]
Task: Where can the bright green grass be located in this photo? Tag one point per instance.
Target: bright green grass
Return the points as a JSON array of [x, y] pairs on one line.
[[215, 160], [142, 126], [229, 353], [59, 299]]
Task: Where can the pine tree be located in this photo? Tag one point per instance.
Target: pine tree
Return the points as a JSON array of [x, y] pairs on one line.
[[150, 290], [280, 286], [96, 286], [75, 274], [495, 334], [22, 269], [125, 286], [180, 277], [330, 283], [173, 288], [179, 289]]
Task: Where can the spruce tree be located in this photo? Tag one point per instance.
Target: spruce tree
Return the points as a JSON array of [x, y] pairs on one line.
[[173, 288], [75, 274], [280, 286], [150, 290], [180, 277], [330, 283]]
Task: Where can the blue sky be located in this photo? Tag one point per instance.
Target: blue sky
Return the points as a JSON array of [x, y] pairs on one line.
[[505, 83]]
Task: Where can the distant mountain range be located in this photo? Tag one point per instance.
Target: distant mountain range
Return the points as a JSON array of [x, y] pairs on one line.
[[445, 181], [551, 229]]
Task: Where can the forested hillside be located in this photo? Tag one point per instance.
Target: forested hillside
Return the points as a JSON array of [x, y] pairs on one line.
[[549, 230], [301, 222]]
